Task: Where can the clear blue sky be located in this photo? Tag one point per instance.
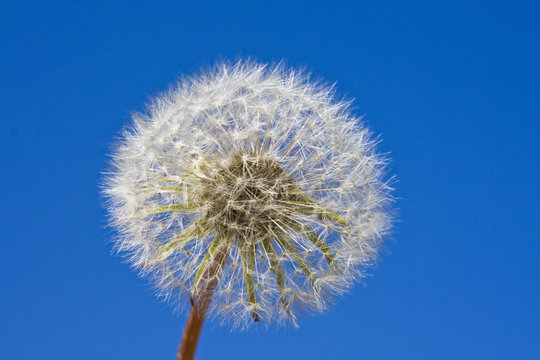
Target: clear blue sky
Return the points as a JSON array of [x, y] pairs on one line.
[[453, 88]]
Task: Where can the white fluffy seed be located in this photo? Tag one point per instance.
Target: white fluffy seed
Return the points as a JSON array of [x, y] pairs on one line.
[[265, 163]]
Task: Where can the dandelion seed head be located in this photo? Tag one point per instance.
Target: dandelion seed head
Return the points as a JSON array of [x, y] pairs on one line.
[[253, 179]]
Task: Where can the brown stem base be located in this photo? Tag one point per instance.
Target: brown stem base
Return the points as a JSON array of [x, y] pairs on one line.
[[200, 303], [192, 331]]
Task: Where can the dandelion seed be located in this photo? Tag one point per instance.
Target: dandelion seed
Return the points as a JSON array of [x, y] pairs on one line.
[[249, 192]]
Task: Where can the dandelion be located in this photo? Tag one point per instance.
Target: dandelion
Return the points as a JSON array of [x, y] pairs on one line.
[[250, 194]]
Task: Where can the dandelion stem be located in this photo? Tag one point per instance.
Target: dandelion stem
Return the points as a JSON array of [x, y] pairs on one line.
[[201, 299], [190, 338]]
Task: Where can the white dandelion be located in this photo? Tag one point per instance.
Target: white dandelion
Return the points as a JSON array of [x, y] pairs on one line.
[[249, 192]]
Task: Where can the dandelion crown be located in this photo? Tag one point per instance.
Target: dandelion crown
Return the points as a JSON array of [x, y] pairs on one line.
[[251, 186]]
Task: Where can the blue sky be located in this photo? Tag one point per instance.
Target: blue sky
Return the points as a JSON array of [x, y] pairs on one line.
[[452, 87]]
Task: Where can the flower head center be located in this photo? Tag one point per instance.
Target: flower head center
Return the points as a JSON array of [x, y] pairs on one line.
[[246, 195]]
